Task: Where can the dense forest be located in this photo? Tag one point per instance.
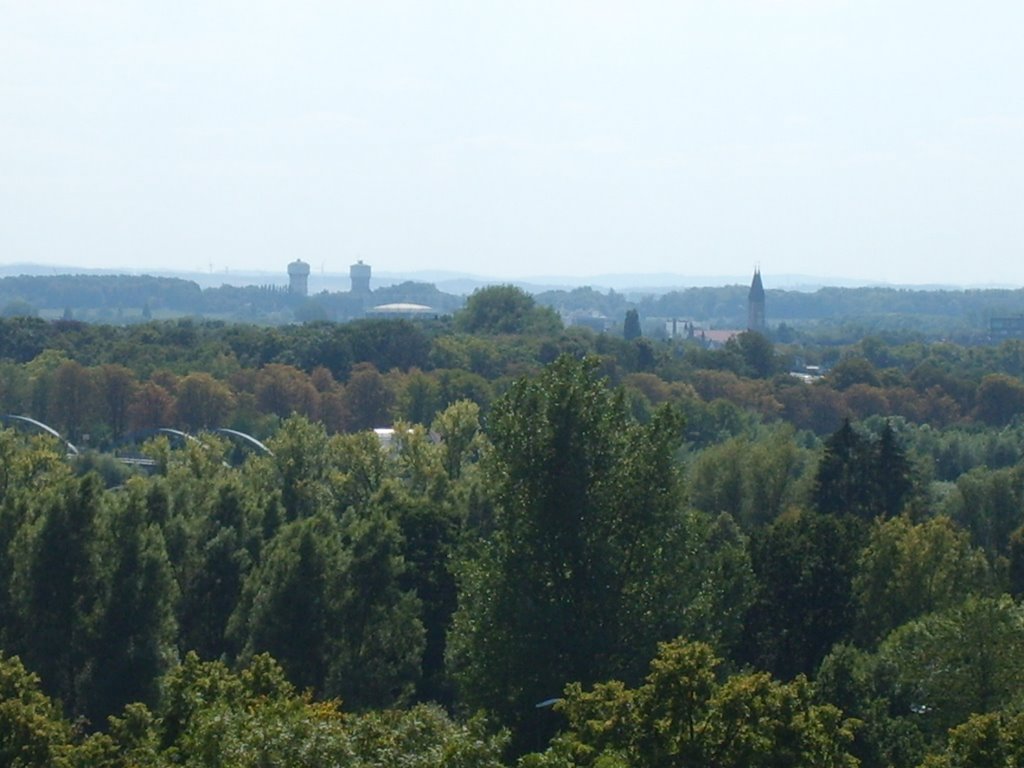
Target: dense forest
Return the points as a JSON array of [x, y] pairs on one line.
[[576, 549]]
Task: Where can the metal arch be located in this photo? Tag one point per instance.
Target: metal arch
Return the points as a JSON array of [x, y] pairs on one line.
[[72, 450], [139, 436], [177, 433], [170, 432], [243, 436]]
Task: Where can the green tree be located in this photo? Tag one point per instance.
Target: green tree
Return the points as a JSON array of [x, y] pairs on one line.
[[209, 716], [55, 584], [863, 477], [32, 730], [754, 481], [505, 309], [776, 477], [326, 602], [853, 370], [28, 476], [710, 589], [419, 399], [892, 480], [843, 483], [909, 570], [993, 740], [302, 458], [132, 629], [989, 504], [386, 344], [861, 685], [757, 353], [458, 426], [376, 650], [211, 587], [573, 583], [631, 327], [804, 564], [288, 608], [685, 714], [965, 660]]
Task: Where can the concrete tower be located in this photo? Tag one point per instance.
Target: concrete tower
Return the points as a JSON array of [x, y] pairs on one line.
[[755, 304], [360, 274], [298, 277]]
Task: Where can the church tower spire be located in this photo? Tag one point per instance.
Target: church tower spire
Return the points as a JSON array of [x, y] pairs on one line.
[[755, 304]]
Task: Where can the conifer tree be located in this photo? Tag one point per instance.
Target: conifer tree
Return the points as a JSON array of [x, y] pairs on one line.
[[631, 327]]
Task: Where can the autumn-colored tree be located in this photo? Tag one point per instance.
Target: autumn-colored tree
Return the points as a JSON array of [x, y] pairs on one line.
[[152, 406], [999, 399], [367, 399], [284, 390], [203, 402], [116, 386], [72, 399]]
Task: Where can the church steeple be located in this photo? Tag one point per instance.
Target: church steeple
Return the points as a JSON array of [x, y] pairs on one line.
[[755, 304]]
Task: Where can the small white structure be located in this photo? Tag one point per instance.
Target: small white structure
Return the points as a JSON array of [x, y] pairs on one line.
[[401, 309]]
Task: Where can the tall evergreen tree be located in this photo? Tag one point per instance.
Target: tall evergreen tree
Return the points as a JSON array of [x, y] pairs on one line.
[[631, 327], [893, 484], [844, 480]]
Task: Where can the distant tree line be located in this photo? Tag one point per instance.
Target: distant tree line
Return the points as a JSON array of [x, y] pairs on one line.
[[845, 314]]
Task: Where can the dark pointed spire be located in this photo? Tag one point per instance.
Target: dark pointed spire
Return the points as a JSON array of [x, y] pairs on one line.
[[756, 288], [755, 304]]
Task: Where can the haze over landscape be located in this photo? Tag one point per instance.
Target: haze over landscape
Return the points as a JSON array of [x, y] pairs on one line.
[[877, 142], [500, 384]]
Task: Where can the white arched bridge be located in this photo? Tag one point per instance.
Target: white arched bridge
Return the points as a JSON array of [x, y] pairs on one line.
[[28, 423]]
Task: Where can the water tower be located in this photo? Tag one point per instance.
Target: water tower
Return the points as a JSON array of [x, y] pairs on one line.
[[360, 274], [298, 277]]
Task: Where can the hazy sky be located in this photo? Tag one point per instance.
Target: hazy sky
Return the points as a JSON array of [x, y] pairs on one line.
[[880, 140]]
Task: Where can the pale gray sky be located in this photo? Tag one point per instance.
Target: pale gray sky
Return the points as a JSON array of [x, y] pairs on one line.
[[872, 139]]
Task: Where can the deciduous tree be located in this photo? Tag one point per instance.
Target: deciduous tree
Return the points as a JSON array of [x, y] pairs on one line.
[[685, 714], [574, 581]]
